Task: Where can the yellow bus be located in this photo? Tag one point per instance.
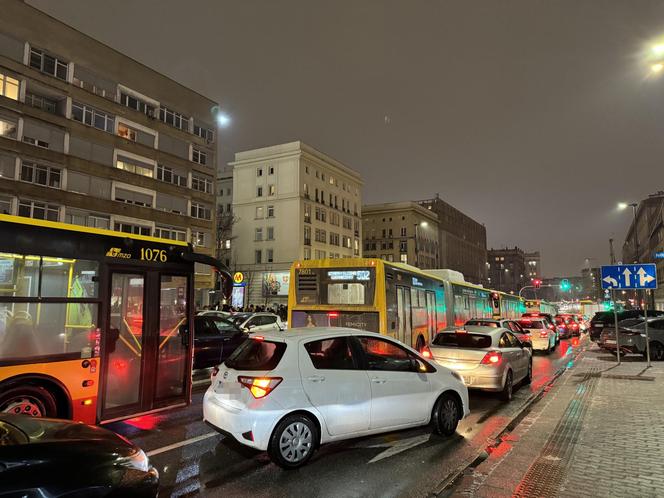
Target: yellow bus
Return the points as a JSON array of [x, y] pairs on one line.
[[395, 299], [507, 305], [93, 323], [540, 306]]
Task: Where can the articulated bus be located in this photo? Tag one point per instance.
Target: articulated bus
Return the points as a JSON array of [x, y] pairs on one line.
[[94, 323], [537, 305], [395, 299], [507, 305]]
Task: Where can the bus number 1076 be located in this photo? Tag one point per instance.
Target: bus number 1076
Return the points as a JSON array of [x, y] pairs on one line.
[[148, 254]]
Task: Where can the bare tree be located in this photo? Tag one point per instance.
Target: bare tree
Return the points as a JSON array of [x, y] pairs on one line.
[[225, 222]]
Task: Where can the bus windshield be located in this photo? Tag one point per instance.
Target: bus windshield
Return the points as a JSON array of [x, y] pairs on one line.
[[354, 286]]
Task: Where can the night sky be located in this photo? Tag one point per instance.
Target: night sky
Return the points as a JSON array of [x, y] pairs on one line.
[[533, 117]]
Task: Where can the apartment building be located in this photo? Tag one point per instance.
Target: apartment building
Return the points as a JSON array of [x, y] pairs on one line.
[[507, 269], [91, 137], [533, 265], [290, 202], [401, 231]]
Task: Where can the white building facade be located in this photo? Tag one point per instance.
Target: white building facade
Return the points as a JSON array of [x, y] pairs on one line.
[[290, 202]]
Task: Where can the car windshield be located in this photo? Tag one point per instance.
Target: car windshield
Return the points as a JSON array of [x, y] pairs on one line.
[[256, 354], [531, 324], [223, 324], [482, 323], [457, 340]]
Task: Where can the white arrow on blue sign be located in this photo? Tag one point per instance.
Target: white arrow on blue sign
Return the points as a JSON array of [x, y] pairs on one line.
[[641, 276]]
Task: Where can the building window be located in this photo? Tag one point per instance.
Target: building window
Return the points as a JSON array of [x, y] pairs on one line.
[[82, 218], [271, 189], [403, 258], [38, 210], [345, 241], [403, 246], [258, 234], [131, 197], [307, 235], [347, 224], [305, 190], [321, 214], [200, 239], [198, 156], [48, 64], [259, 212], [320, 254], [259, 191], [270, 211], [259, 171], [307, 213], [166, 174], [40, 174], [201, 211], [334, 239], [201, 183], [8, 128], [203, 132], [35, 142], [131, 228], [8, 87], [270, 233], [258, 256], [135, 167], [228, 208], [136, 104], [271, 170], [5, 204], [92, 117], [126, 132], [173, 118], [320, 235], [41, 102], [170, 233], [269, 255], [356, 247], [307, 253]]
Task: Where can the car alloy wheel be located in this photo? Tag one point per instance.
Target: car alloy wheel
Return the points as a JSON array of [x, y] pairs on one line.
[[446, 415]]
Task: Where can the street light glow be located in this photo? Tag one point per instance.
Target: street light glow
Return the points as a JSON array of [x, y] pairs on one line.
[[658, 49], [424, 224], [657, 68], [622, 205], [223, 119]]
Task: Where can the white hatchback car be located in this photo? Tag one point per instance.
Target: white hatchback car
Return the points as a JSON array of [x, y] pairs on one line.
[[289, 392], [541, 336]]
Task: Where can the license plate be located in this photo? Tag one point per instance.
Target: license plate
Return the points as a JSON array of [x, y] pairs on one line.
[[609, 341]]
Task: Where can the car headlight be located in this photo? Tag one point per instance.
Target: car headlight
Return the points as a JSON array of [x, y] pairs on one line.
[[137, 461], [457, 376]]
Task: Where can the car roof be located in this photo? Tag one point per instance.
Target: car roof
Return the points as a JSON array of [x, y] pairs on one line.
[[296, 334]]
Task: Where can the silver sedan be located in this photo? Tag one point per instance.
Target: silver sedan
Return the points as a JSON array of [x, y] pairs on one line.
[[488, 358]]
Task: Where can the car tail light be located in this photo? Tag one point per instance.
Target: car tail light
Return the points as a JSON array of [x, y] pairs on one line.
[[215, 371], [257, 337], [544, 334], [259, 387], [551, 327], [426, 352], [492, 358], [333, 314]]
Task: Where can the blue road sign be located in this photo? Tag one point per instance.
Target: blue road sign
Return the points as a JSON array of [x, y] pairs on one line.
[[641, 276], [659, 255]]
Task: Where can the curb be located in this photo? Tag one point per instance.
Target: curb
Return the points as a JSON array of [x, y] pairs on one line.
[[481, 455]]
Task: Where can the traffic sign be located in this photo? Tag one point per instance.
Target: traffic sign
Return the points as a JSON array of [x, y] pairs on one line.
[[238, 277], [640, 276], [659, 255]]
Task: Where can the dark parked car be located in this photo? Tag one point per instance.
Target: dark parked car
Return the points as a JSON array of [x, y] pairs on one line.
[[606, 319], [47, 457], [215, 339], [633, 337]]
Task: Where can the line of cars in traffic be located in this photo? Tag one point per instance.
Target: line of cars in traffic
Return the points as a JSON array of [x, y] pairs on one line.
[[288, 393]]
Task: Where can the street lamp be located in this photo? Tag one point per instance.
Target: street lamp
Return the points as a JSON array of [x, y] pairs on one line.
[[622, 206]]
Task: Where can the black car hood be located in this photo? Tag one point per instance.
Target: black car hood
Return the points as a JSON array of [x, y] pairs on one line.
[[45, 430]]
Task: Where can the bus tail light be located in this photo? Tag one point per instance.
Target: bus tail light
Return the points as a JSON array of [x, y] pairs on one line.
[[259, 387], [492, 358]]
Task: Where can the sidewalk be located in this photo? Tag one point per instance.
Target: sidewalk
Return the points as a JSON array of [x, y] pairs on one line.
[[599, 432]]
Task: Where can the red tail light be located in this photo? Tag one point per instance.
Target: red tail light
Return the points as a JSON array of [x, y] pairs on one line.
[[551, 327], [257, 337], [333, 314], [259, 387], [426, 352], [544, 334], [492, 358]]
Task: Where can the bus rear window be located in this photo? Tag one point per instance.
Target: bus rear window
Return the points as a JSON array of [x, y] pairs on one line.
[[256, 355], [468, 341], [335, 286]]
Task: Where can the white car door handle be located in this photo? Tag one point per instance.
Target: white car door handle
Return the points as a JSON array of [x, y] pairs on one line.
[[316, 378], [378, 381]]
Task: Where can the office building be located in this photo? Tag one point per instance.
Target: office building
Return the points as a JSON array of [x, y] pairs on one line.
[[533, 265], [290, 202], [507, 269], [461, 241], [401, 231], [91, 137]]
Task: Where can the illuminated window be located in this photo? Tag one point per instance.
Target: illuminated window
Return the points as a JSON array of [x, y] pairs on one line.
[[125, 132], [8, 128], [8, 87]]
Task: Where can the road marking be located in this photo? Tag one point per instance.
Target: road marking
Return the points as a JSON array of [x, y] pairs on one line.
[[396, 447], [186, 442]]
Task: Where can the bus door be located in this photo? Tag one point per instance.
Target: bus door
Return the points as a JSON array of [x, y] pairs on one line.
[[145, 352], [404, 332]]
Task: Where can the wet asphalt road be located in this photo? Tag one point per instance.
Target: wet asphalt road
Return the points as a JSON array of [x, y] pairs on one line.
[[193, 460]]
